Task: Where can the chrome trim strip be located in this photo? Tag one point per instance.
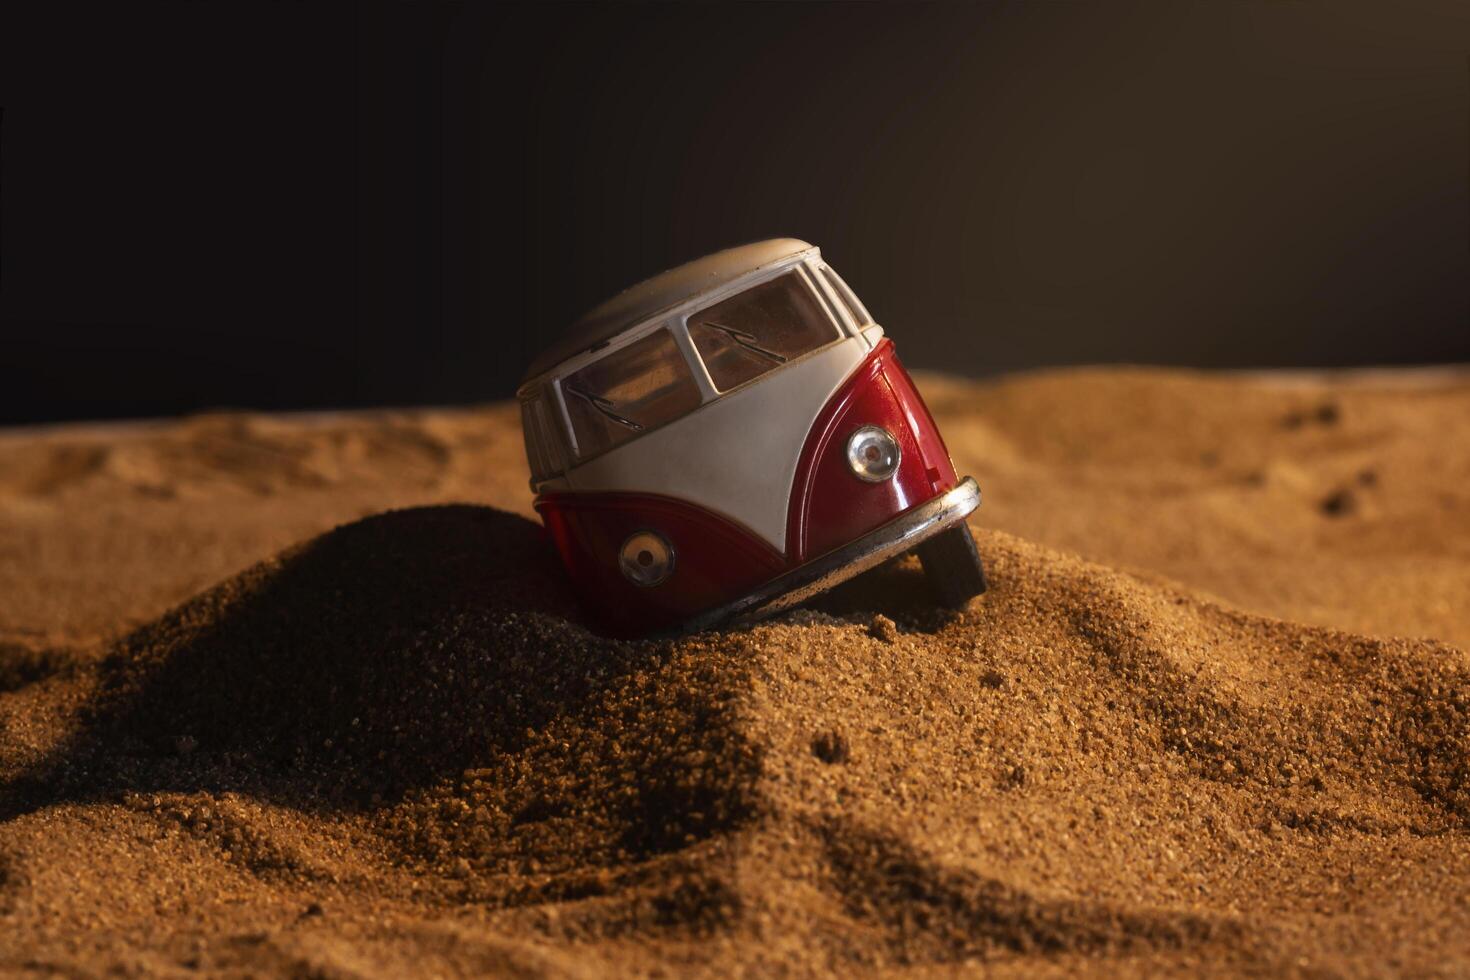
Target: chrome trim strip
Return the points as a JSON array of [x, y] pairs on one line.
[[874, 548]]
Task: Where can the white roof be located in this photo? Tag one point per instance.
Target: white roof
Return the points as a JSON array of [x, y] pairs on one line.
[[638, 304]]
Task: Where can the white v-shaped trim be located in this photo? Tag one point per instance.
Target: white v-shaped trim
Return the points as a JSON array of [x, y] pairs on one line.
[[736, 455]]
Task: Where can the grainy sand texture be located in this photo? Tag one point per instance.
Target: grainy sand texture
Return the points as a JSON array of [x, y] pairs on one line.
[[306, 696]]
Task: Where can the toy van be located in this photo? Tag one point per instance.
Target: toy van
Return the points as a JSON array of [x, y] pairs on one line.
[[731, 437]]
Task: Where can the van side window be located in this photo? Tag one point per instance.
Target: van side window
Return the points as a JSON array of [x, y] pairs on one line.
[[542, 439], [743, 337], [631, 391], [854, 306]]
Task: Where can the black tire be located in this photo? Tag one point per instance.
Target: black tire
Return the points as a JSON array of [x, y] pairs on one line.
[[952, 566]]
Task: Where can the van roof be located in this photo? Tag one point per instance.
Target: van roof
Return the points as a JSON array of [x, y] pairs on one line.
[[652, 296]]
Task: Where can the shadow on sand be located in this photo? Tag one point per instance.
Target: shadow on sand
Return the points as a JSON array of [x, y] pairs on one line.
[[377, 657]]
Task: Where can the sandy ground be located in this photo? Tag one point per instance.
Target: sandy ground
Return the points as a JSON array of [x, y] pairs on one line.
[[1212, 717]]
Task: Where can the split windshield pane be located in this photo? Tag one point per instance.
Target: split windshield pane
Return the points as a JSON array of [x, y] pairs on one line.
[[628, 392], [541, 437], [743, 337]]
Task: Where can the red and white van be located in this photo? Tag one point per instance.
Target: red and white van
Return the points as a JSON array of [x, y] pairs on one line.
[[733, 436]]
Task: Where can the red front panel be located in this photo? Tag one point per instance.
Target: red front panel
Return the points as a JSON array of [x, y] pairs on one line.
[[715, 559], [829, 506]]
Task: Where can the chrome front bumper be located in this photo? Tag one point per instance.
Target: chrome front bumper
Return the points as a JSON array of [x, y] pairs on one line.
[[874, 548]]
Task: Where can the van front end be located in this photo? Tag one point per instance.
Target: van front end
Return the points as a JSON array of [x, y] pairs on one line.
[[730, 437], [873, 481]]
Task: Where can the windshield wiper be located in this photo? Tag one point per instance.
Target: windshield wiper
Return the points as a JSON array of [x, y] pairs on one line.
[[745, 341], [602, 405]]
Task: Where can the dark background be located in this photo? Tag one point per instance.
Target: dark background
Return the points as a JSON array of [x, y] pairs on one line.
[[298, 205]]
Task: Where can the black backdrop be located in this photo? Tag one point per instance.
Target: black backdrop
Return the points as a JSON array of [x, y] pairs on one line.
[[289, 205]]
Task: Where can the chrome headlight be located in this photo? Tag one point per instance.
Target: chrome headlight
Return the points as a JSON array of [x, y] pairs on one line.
[[646, 558], [873, 454]]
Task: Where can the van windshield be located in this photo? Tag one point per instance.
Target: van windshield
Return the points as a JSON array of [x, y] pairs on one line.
[[750, 333], [630, 391]]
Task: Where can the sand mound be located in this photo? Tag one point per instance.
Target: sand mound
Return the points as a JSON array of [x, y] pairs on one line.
[[405, 715], [393, 749], [377, 656]]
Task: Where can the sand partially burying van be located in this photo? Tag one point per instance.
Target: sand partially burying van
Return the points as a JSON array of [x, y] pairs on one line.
[[307, 695]]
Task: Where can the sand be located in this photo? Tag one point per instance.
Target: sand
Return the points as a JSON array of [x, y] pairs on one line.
[[307, 696]]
